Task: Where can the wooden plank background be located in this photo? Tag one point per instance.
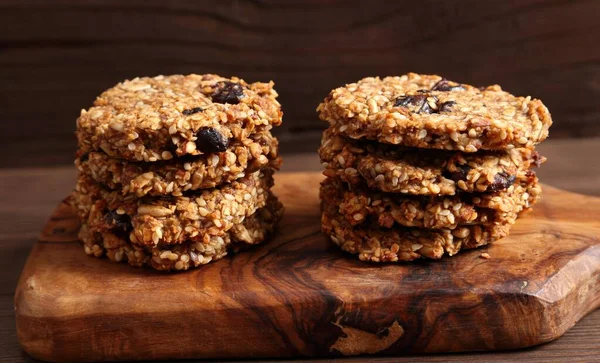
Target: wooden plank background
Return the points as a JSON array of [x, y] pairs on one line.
[[56, 56]]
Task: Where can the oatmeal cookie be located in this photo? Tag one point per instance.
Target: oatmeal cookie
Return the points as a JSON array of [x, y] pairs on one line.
[[150, 119], [395, 169], [254, 229], [428, 111], [196, 216], [182, 174], [373, 243], [358, 205]]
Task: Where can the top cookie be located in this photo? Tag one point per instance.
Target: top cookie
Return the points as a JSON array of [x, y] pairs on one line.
[[428, 111], [150, 119]]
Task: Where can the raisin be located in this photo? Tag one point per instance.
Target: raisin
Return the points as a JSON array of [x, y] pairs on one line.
[[228, 92], [444, 86], [118, 222], [446, 106], [210, 140], [501, 182], [192, 111], [420, 101], [426, 108], [416, 100], [83, 158], [460, 173]]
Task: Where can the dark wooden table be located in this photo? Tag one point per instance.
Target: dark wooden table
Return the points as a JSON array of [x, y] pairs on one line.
[[29, 195]]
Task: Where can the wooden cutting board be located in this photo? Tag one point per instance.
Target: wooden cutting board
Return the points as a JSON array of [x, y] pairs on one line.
[[298, 295]]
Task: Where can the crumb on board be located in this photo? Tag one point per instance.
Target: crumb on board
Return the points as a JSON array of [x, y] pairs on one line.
[[485, 255]]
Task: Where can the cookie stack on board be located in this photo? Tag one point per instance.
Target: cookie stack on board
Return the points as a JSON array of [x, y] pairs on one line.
[[420, 166], [176, 171]]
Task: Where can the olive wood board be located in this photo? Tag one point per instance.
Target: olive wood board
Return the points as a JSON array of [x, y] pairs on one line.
[[298, 295]]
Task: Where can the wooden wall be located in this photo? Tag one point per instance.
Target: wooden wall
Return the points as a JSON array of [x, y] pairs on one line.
[[56, 56]]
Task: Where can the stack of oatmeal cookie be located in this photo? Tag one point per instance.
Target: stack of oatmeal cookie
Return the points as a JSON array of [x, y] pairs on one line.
[[419, 166], [176, 171]]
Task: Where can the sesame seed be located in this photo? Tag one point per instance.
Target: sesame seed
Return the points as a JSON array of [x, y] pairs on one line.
[[451, 218], [416, 246], [190, 147]]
